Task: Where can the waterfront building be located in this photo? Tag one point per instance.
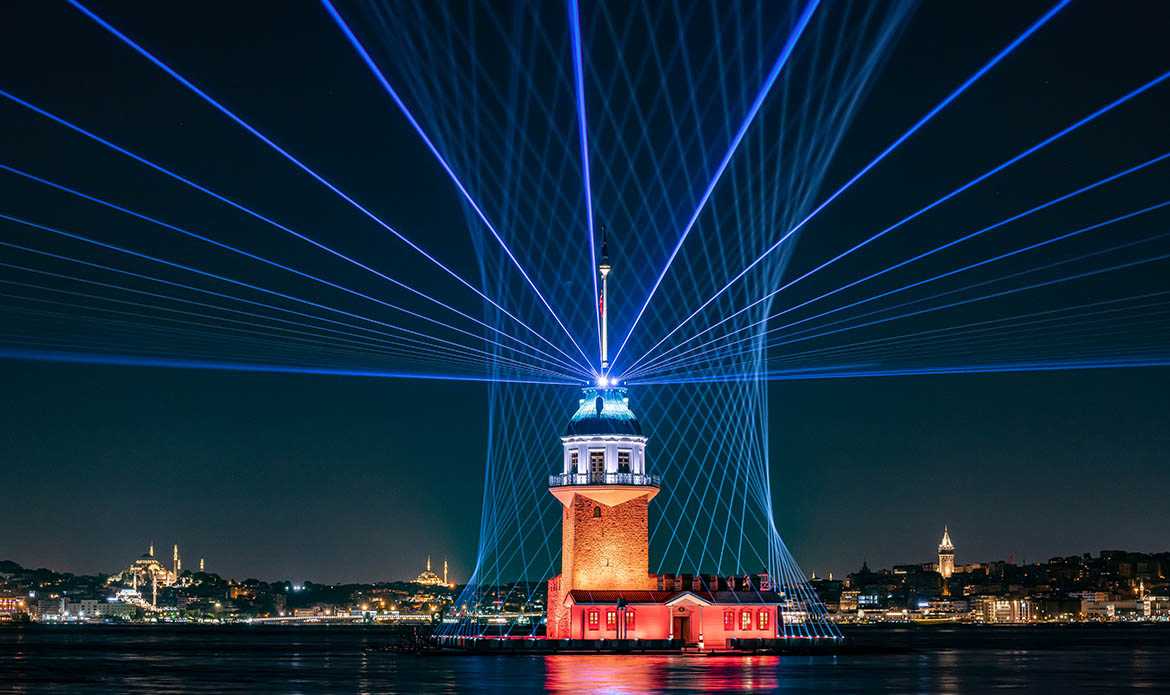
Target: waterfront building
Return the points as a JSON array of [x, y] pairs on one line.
[[996, 609], [12, 607], [605, 589]]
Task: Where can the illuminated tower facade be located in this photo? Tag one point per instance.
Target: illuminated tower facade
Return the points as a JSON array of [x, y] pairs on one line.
[[946, 555], [605, 495]]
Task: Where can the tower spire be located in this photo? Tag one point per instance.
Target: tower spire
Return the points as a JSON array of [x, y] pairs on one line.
[[946, 555], [602, 301]]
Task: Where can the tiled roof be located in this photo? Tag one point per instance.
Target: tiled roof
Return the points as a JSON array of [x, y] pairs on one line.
[[582, 596], [607, 597]]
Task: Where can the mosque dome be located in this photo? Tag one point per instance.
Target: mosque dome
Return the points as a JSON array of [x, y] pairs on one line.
[[604, 411]]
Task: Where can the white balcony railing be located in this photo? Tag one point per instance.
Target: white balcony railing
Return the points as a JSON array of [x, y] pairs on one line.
[[563, 479]]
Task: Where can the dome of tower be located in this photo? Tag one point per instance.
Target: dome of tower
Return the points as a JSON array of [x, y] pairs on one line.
[[604, 411]]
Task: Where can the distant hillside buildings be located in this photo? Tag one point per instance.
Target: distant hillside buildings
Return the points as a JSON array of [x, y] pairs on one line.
[[1114, 585]]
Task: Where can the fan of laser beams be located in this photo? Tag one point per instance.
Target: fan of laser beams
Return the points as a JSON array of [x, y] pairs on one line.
[[650, 180]]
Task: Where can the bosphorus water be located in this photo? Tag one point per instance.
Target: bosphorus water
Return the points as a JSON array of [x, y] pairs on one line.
[[244, 659]]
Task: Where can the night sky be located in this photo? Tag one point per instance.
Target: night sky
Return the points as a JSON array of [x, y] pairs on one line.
[[331, 478]]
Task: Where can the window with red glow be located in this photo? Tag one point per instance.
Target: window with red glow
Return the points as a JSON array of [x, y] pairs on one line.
[[611, 620], [745, 620], [594, 618], [629, 619], [729, 620], [763, 619]]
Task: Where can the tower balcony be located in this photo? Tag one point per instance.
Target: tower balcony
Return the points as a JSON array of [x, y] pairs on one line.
[[594, 479]]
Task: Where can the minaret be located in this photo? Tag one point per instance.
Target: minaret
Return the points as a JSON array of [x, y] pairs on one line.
[[445, 572], [603, 300], [946, 555], [151, 551], [176, 563], [154, 589], [428, 563], [201, 565]]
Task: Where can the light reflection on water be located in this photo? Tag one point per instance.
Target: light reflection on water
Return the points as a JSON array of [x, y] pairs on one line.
[[305, 660], [650, 673]]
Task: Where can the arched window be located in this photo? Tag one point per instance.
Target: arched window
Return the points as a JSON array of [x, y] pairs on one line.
[[728, 620], [594, 618], [745, 619], [763, 619], [573, 462], [597, 512], [629, 619]]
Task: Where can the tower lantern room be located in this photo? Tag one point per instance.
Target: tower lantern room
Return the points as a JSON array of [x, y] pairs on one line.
[[603, 443]]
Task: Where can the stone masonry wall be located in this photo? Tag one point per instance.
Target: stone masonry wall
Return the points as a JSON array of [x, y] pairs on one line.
[[606, 552]]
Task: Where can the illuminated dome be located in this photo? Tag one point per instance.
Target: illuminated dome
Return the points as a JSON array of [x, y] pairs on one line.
[[429, 578], [604, 411]]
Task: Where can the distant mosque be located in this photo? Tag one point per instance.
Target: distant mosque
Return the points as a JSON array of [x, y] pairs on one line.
[[148, 572], [147, 569], [428, 577]]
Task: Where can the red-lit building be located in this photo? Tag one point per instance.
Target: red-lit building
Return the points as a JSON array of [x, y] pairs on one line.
[[605, 589]]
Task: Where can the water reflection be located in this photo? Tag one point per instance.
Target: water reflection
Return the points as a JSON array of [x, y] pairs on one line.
[[88, 659], [665, 673]]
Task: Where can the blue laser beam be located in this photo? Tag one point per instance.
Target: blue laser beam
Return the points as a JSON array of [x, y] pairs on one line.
[[955, 94], [993, 295], [399, 346], [757, 104], [239, 283], [252, 213], [1054, 315], [977, 338], [1043, 143], [250, 326], [132, 361], [385, 83], [442, 344], [299, 273], [919, 371], [938, 249], [289, 156], [994, 259], [574, 14]]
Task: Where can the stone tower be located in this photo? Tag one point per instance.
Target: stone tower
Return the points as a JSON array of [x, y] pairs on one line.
[[946, 555], [605, 496]]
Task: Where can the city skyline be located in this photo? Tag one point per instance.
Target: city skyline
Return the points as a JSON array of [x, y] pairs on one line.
[[959, 556]]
